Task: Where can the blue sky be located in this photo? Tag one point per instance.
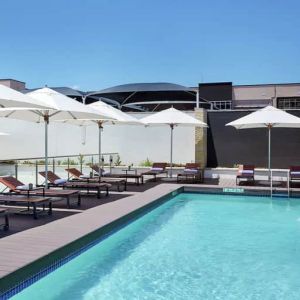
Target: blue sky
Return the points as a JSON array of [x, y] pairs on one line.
[[93, 44]]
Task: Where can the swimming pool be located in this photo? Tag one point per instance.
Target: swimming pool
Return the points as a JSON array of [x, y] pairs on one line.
[[195, 246]]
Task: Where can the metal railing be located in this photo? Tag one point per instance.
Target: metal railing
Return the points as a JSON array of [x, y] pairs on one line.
[[287, 183], [67, 161]]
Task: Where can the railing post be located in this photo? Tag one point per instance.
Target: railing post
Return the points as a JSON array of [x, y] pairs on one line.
[[288, 183], [68, 168], [36, 172], [80, 163], [53, 165], [271, 183], [110, 163], [16, 169]]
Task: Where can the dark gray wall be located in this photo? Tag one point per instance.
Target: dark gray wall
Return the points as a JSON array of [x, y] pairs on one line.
[[227, 146]]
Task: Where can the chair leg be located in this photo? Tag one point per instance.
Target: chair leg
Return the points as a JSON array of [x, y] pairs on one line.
[[79, 199], [6, 225], [50, 208]]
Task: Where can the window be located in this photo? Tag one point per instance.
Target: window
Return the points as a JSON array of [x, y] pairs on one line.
[[288, 103], [221, 105]]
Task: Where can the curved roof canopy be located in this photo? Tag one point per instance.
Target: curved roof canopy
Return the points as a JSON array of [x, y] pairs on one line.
[[146, 96], [145, 87]]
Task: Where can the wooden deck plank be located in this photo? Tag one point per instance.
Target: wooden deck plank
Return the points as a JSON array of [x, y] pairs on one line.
[[40, 241]]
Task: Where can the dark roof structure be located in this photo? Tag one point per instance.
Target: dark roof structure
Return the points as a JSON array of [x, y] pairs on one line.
[[146, 96]]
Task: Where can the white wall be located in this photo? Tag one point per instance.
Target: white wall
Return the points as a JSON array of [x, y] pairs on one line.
[[133, 143]]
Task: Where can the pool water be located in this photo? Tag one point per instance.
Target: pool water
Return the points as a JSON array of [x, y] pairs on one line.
[[194, 246]]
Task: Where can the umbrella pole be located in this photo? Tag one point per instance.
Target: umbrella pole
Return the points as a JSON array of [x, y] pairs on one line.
[[46, 120], [99, 150], [171, 160], [269, 150]]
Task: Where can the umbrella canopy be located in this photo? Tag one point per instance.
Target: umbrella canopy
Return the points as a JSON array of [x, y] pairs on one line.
[[116, 115], [268, 117], [12, 98], [172, 117], [59, 107]]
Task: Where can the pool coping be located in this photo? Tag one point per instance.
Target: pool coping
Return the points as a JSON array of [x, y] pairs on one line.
[[47, 247]]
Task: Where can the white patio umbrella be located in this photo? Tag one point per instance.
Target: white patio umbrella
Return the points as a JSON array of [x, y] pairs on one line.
[[60, 107], [268, 117], [12, 98], [116, 115], [172, 117]]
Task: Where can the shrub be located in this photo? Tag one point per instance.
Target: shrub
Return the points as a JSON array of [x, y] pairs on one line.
[[146, 163], [118, 161]]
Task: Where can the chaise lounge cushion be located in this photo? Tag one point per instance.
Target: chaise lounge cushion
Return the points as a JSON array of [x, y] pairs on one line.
[[22, 187], [295, 172], [157, 169], [191, 171], [60, 181], [84, 176]]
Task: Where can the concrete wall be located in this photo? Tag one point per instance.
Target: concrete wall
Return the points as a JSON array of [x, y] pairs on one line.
[[134, 143], [228, 146], [248, 92], [14, 84]]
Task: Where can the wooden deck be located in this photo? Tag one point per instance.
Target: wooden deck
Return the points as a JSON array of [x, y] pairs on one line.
[[41, 241]]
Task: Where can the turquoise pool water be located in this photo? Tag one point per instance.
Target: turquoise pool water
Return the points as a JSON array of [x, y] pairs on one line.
[[194, 246]]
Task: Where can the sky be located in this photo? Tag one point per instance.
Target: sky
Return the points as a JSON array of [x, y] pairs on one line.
[[95, 44]]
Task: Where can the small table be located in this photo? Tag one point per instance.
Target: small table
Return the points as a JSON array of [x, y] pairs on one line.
[[131, 170], [28, 190], [134, 175]]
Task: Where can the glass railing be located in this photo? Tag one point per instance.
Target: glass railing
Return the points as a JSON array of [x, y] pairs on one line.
[[27, 169]]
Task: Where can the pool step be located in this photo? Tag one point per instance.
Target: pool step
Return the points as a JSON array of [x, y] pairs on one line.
[[281, 195]]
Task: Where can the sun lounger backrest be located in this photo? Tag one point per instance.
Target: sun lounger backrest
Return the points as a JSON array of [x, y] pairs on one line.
[[159, 165], [248, 167], [192, 166], [74, 172], [294, 168], [51, 176], [11, 182], [95, 168]]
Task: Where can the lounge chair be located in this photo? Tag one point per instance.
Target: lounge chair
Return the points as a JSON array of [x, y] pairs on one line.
[[79, 176], [192, 171], [156, 169], [245, 172], [137, 177], [99, 170], [294, 173], [28, 201], [18, 187], [56, 181]]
